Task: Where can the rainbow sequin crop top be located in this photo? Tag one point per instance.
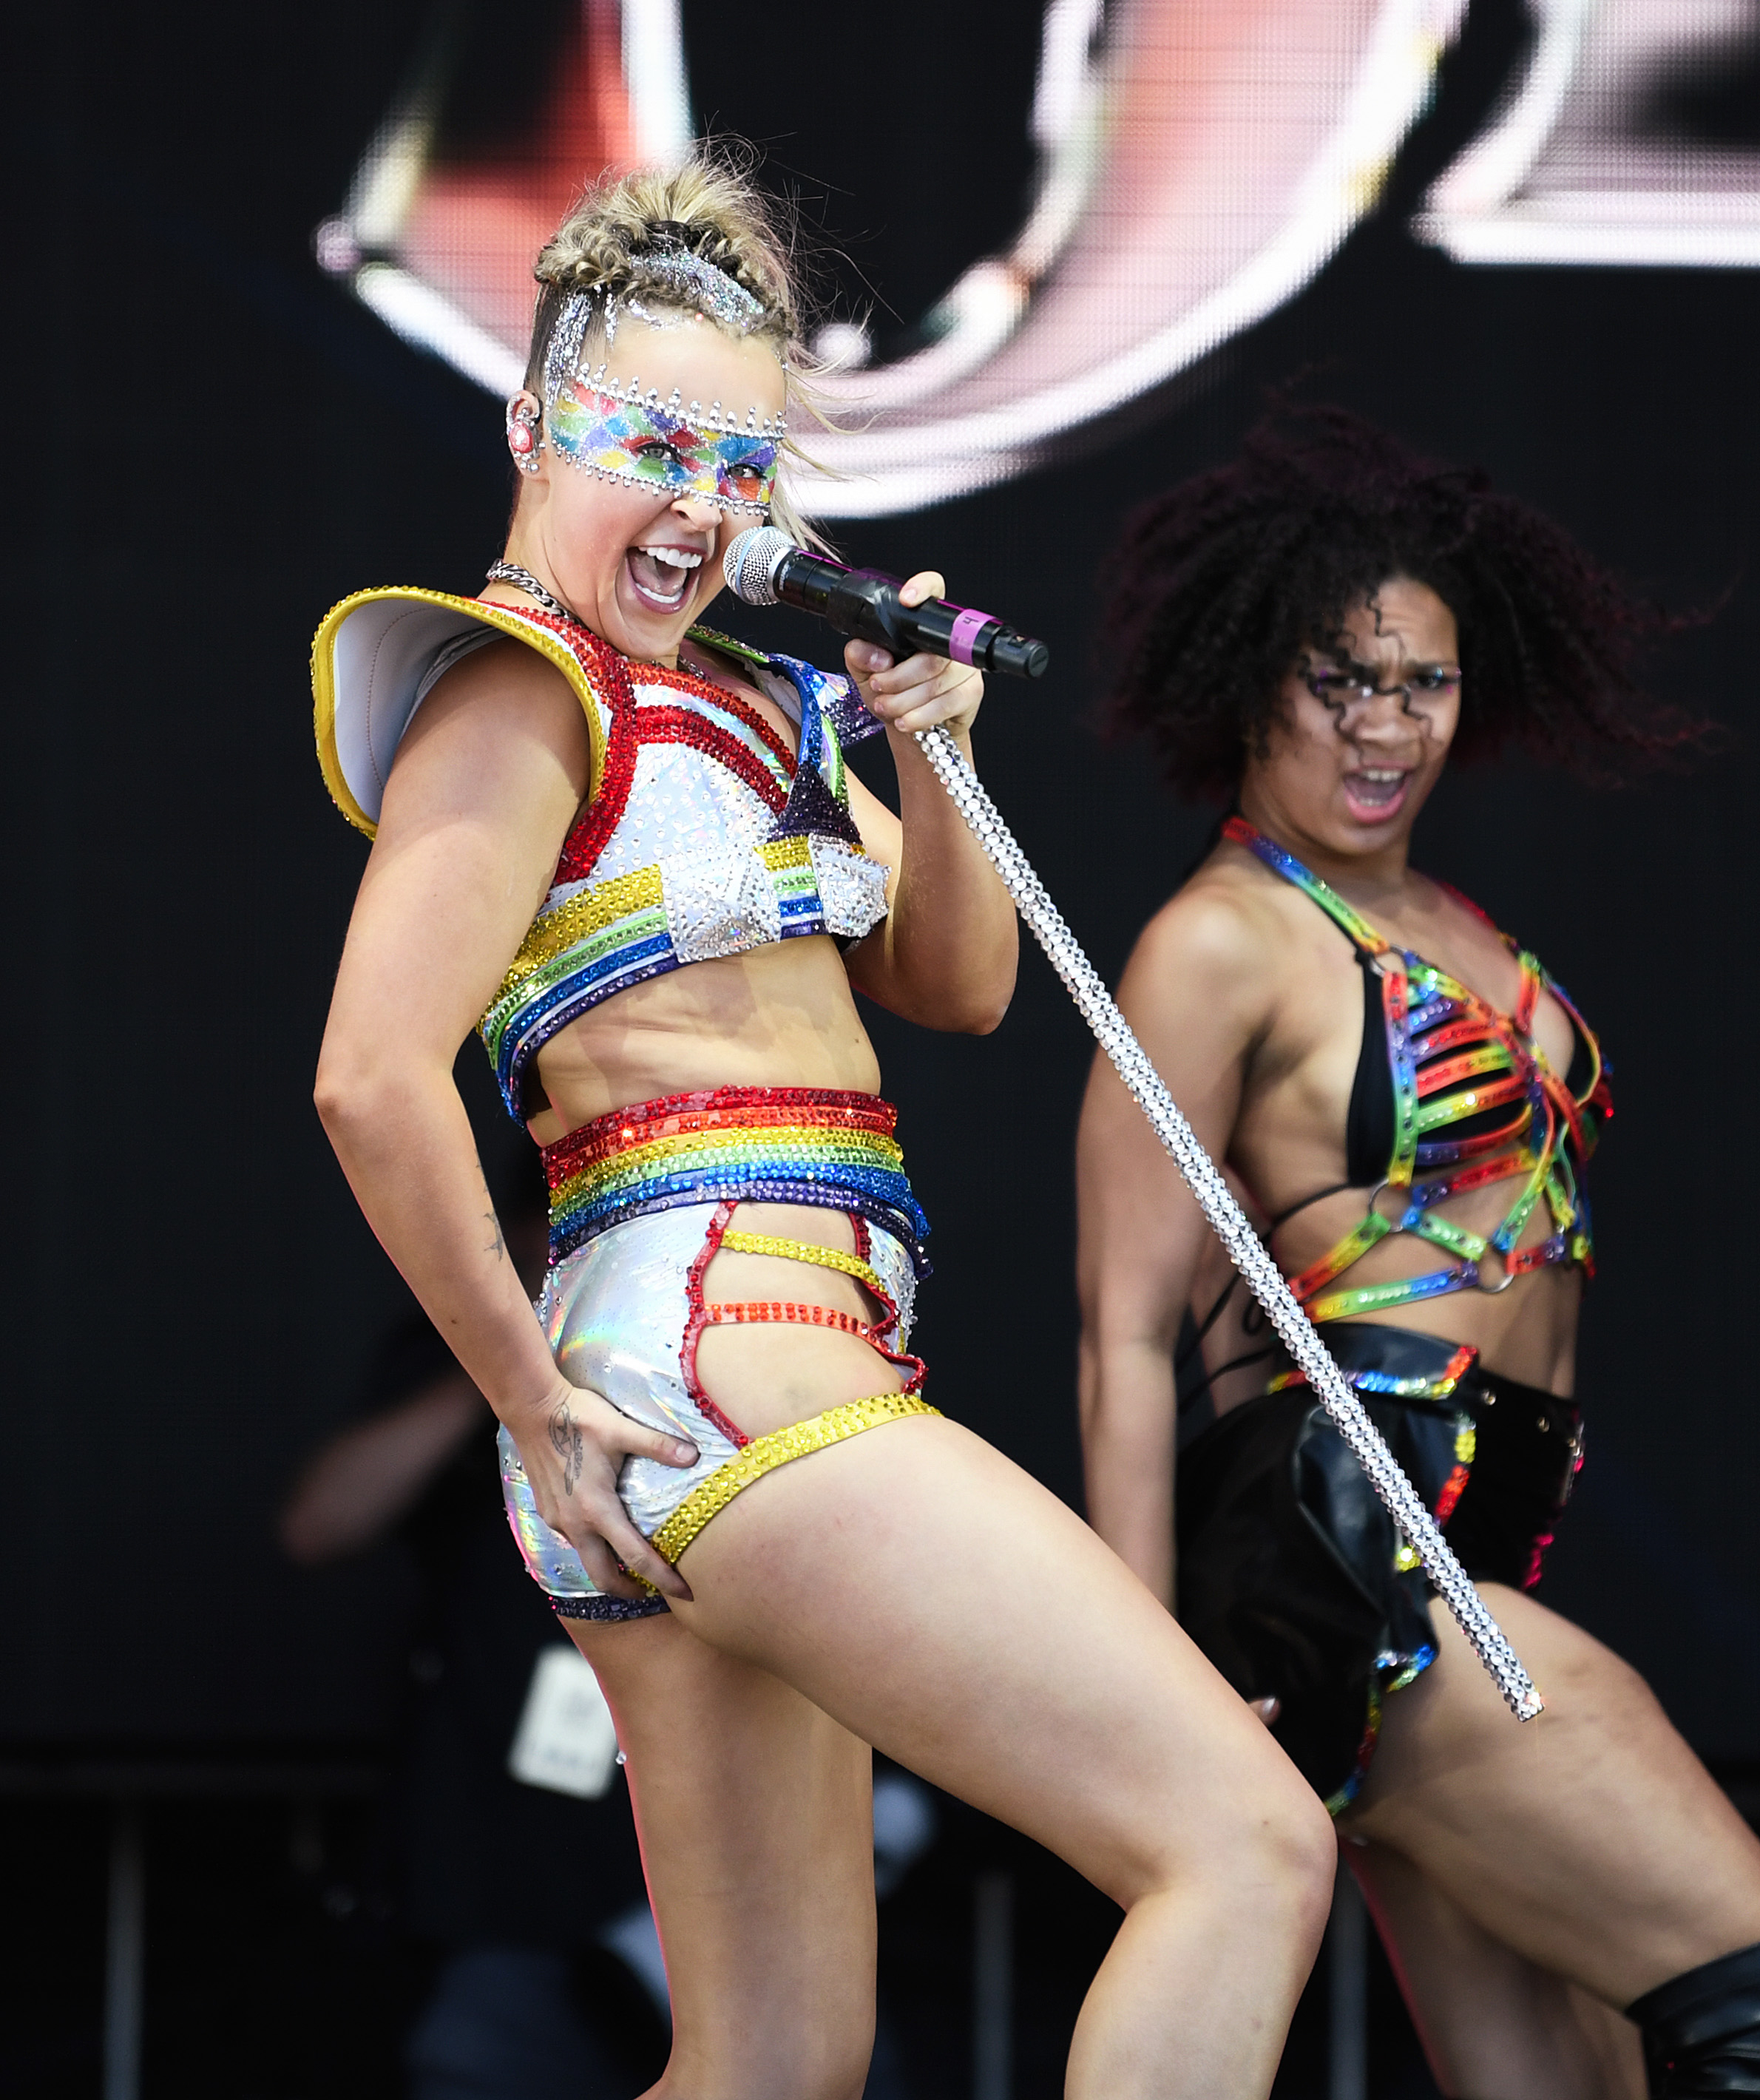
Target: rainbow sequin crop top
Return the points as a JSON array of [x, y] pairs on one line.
[[1473, 1102], [702, 833]]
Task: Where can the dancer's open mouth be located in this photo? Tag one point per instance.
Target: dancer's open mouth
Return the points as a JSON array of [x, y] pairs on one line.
[[1376, 792], [663, 575]]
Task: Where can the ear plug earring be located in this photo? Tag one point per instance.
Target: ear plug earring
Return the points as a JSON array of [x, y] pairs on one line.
[[524, 441]]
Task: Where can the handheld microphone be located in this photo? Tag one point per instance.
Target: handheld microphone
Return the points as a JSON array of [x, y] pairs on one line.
[[766, 568]]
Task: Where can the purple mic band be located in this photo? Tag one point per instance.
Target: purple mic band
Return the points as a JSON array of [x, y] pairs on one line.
[[966, 630]]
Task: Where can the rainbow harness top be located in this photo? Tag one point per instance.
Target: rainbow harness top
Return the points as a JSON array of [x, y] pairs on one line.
[[1475, 1101]]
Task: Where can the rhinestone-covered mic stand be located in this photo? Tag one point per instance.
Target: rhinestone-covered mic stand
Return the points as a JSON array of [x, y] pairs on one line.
[[1245, 1249]]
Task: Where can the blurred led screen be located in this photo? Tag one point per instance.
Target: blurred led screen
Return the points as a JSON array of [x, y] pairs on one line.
[[1196, 164]]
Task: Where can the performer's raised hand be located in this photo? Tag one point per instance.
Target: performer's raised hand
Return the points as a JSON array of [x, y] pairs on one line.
[[945, 953], [923, 689]]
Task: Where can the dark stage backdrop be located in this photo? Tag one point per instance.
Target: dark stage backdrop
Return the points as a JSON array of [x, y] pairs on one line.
[[212, 444]]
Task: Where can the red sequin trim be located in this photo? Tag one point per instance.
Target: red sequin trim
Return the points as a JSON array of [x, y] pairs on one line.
[[738, 1312], [608, 673], [742, 1311], [729, 704], [679, 726], [586, 645], [1460, 1363], [607, 677], [715, 1108], [682, 681], [697, 1319], [1450, 1494], [592, 828], [731, 1312]]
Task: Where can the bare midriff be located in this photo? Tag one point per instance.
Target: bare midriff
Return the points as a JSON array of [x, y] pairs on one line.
[[778, 1015], [1526, 1330]]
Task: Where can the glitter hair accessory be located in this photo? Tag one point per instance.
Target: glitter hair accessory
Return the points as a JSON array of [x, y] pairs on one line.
[[699, 284], [562, 356], [709, 288]]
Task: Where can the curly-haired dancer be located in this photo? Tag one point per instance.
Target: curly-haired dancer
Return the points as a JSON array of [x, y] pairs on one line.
[[1410, 1100]]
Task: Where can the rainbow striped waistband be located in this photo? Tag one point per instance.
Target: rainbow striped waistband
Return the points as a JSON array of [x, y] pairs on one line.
[[733, 1144]]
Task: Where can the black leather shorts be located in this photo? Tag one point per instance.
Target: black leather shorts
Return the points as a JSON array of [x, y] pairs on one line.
[[1292, 1578]]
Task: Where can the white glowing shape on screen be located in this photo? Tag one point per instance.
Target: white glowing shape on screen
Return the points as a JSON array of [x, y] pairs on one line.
[[1197, 165], [392, 236], [1211, 164], [1577, 170]]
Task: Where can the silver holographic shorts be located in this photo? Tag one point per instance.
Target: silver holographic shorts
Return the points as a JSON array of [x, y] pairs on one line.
[[622, 1315]]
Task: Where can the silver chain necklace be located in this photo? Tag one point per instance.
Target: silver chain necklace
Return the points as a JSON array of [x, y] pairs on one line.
[[510, 572]]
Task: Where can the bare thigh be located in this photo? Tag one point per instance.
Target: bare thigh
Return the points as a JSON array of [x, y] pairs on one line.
[[1591, 1841], [921, 1589], [769, 1374], [944, 1607], [913, 1589], [755, 1811], [1494, 2025], [755, 1807], [950, 1610]]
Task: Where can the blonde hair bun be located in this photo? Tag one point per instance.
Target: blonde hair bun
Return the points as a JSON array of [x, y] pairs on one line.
[[707, 206]]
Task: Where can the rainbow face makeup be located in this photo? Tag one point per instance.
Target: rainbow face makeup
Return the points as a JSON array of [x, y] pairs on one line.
[[620, 434]]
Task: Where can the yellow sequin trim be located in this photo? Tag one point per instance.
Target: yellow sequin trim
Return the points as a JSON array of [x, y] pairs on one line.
[[325, 696], [586, 913], [729, 1146], [778, 853], [822, 1257], [764, 1454]]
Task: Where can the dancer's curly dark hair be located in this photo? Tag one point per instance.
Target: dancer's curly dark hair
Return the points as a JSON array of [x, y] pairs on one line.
[[1219, 585]]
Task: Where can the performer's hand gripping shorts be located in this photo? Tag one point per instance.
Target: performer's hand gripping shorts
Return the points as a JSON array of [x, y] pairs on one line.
[[641, 1201]]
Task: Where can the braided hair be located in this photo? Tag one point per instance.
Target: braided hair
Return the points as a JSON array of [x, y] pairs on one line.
[[709, 206], [706, 206], [1219, 585]]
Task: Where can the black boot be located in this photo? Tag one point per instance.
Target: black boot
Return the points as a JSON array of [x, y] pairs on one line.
[[1702, 2031]]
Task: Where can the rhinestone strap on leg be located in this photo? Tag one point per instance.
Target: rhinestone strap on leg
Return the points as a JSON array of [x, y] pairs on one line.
[[1229, 1222], [821, 1257], [764, 1454], [747, 1312]]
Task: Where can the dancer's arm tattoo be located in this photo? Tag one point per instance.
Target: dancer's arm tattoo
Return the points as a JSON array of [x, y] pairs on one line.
[[568, 1444]]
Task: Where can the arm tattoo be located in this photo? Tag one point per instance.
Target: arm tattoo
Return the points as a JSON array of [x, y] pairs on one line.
[[497, 1246], [568, 1444]]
